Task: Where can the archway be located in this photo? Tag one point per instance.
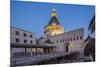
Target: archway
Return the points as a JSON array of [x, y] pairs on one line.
[[66, 47]]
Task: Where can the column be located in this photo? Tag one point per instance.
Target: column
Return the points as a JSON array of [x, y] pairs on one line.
[[25, 51], [36, 51], [48, 50], [31, 51]]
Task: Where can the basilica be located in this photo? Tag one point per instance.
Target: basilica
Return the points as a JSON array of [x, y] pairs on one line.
[[54, 40], [64, 41]]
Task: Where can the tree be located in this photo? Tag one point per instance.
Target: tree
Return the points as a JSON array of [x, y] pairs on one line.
[[91, 27], [90, 41]]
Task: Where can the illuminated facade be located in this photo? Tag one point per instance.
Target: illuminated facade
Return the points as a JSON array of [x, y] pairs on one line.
[[64, 41], [54, 27], [54, 39]]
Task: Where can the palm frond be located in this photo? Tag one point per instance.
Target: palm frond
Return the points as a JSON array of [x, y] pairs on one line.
[[87, 39], [91, 27]]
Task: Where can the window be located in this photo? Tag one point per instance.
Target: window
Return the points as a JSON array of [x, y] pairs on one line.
[[81, 38], [25, 41], [25, 34], [17, 40], [74, 38], [65, 40], [31, 41], [17, 32], [57, 41], [60, 40], [46, 35], [77, 38], [31, 36], [68, 39], [57, 27], [71, 39]]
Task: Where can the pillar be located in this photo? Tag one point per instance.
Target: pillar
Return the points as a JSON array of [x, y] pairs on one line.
[[31, 51], [25, 51], [48, 50], [36, 51]]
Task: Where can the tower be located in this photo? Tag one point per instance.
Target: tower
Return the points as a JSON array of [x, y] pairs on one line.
[[53, 28]]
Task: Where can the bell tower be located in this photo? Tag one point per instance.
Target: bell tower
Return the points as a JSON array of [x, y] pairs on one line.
[[53, 28]]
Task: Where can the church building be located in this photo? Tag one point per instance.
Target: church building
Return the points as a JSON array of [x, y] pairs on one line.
[[64, 41], [54, 27], [54, 40]]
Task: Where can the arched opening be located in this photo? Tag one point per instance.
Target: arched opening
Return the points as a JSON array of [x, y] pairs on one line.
[[66, 47]]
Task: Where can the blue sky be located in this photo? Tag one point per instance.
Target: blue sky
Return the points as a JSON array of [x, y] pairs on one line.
[[33, 16]]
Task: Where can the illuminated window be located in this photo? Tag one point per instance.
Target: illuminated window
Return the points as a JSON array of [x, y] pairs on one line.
[[53, 24], [57, 27]]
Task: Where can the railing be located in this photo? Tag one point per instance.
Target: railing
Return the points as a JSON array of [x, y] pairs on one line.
[[37, 58]]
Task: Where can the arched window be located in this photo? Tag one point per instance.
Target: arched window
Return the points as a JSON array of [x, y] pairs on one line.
[[31, 36], [81, 38], [57, 41], [25, 35], [60, 40], [74, 38], [65, 40], [68, 39], [71, 39], [77, 38]]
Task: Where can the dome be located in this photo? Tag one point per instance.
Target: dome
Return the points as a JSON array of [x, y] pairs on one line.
[[53, 27]]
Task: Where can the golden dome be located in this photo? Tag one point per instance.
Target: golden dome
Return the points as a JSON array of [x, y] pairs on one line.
[[53, 27]]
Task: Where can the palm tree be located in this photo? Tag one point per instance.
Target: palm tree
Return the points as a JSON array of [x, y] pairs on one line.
[[91, 27], [90, 41]]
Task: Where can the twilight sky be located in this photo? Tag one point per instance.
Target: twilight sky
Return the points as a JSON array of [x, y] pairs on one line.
[[33, 16]]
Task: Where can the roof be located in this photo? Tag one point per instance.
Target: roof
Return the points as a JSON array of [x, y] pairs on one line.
[[22, 29], [30, 46], [48, 41], [53, 20]]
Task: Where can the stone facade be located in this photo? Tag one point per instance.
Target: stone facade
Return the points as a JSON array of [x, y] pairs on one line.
[[73, 40], [20, 36]]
